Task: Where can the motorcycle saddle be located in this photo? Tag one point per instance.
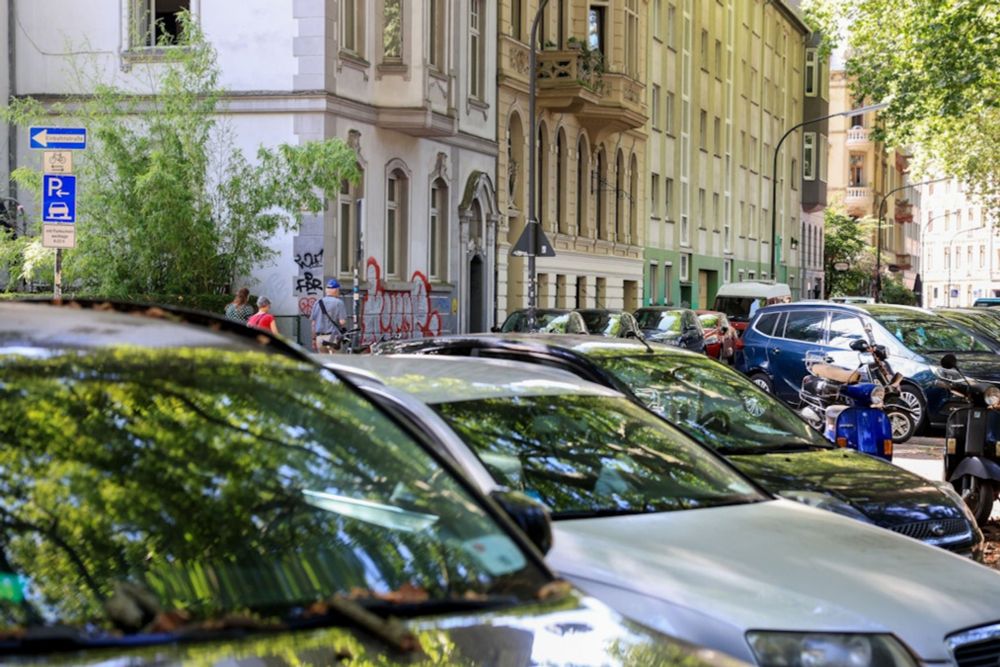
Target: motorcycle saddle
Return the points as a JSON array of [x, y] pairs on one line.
[[836, 373]]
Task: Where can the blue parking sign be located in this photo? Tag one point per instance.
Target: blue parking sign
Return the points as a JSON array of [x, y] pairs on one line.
[[58, 198]]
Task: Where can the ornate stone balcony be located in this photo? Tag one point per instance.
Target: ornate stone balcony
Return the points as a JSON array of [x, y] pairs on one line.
[[858, 195], [858, 137]]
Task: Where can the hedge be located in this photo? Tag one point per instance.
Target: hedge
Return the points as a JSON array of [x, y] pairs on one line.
[[210, 303]]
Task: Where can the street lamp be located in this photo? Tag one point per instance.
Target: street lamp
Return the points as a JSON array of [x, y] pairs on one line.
[[774, 170], [951, 257], [878, 232]]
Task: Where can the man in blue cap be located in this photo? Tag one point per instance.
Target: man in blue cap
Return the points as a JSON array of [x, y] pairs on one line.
[[329, 318]]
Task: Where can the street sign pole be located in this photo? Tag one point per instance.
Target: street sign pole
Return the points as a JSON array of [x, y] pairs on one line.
[[57, 285]]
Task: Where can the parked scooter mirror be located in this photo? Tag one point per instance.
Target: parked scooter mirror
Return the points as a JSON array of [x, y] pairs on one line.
[[949, 361], [859, 345], [531, 516]]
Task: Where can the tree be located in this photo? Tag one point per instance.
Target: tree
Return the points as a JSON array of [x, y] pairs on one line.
[[939, 62], [167, 203], [894, 291], [847, 241]]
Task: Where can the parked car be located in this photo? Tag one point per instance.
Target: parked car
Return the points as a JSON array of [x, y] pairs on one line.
[[664, 531], [180, 494], [679, 327], [549, 320], [775, 345], [986, 302], [721, 339], [740, 301], [852, 299], [983, 322], [610, 323], [756, 432]]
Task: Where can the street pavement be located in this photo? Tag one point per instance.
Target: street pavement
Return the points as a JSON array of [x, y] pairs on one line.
[[924, 457]]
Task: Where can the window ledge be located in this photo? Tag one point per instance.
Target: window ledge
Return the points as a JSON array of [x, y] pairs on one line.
[[391, 67], [152, 54], [476, 103], [354, 60]]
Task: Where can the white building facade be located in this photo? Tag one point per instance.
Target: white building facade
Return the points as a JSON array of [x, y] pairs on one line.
[[410, 85]]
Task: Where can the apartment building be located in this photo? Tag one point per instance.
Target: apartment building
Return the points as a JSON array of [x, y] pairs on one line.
[[410, 85], [815, 152], [591, 151], [960, 249], [726, 82]]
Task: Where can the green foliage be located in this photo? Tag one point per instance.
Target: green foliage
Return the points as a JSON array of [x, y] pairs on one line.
[[821, 17], [167, 203], [894, 291], [209, 303], [939, 61], [847, 240]]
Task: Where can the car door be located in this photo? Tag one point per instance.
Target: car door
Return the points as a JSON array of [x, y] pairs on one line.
[[803, 331], [843, 329]]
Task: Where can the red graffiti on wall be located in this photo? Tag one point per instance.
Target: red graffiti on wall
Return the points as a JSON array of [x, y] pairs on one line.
[[306, 305], [404, 313]]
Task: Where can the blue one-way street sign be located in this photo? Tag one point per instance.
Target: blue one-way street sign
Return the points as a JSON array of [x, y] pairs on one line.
[[58, 198], [66, 138]]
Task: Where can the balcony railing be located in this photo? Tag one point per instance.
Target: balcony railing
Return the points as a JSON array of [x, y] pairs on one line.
[[855, 193], [857, 136]]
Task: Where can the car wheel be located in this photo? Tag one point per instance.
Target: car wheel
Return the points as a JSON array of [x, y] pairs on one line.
[[902, 424], [762, 381], [910, 397], [979, 495]]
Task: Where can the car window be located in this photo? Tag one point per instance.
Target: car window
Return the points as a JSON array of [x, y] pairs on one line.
[[202, 484], [805, 325], [766, 323], [661, 320], [709, 321], [928, 334], [718, 407], [845, 329], [591, 455]]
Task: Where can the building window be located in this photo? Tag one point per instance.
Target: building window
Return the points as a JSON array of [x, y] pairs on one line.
[[809, 156], [812, 73], [685, 273], [395, 224], [632, 38], [561, 176], [982, 257], [856, 175], [347, 228], [595, 28], [727, 271], [685, 230], [822, 157], [657, 14], [669, 124], [582, 171], [436, 35], [717, 136], [654, 196], [668, 199], [655, 107], [672, 27], [703, 130], [715, 210], [392, 31], [352, 33], [654, 283], [718, 60], [439, 231], [156, 22], [517, 19], [703, 49], [476, 50]]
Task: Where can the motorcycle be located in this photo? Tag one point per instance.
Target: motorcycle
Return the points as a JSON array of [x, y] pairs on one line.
[[971, 461], [846, 405]]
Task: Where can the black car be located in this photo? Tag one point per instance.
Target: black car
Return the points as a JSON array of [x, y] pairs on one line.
[[759, 434], [594, 321], [180, 494], [679, 327], [981, 322]]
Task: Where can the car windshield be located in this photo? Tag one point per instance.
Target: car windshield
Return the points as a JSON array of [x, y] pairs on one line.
[[739, 308], [667, 321], [928, 334], [716, 406], [586, 455], [982, 323], [709, 321], [601, 323], [518, 321], [150, 489]]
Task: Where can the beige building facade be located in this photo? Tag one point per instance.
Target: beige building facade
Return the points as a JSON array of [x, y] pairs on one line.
[[591, 151], [726, 82]]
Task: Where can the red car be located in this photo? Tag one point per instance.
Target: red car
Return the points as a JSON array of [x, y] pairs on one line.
[[720, 336]]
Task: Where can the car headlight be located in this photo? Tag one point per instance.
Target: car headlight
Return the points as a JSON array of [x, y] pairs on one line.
[[809, 649], [992, 397], [877, 397]]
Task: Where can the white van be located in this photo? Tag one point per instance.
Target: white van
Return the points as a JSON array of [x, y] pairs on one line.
[[739, 301]]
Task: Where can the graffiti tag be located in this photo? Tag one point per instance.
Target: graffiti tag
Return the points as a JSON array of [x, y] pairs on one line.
[[309, 260], [404, 313]]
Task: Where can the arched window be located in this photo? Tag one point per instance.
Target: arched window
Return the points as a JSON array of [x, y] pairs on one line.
[[347, 226], [396, 222], [542, 198], [619, 198], [633, 201], [439, 232], [600, 200], [583, 184], [562, 172], [515, 161]]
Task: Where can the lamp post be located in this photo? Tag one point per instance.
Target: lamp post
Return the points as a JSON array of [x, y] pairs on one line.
[[951, 257], [532, 222], [878, 231], [774, 170]]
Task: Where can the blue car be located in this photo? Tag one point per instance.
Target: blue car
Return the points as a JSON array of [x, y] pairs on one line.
[[778, 338]]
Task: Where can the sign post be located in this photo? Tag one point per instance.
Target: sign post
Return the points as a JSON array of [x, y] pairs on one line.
[[58, 189]]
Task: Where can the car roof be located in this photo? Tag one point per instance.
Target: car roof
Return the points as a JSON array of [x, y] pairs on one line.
[[441, 379], [750, 288], [576, 343], [92, 325]]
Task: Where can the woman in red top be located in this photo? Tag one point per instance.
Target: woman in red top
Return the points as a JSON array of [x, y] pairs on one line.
[[263, 319]]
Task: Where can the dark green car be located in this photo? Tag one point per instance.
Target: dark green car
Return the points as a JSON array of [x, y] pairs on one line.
[[179, 494]]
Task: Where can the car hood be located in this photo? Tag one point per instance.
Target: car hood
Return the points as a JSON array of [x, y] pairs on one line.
[[778, 565], [660, 336], [573, 630], [886, 494]]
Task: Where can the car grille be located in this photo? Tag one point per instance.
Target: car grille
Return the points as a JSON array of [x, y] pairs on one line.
[[978, 647], [933, 529]]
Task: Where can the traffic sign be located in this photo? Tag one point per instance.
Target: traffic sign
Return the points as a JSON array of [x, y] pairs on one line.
[[533, 242], [58, 236], [58, 198], [67, 138], [57, 162]]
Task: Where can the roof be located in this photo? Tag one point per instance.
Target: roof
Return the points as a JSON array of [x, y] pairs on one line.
[[94, 325], [440, 379], [750, 288]]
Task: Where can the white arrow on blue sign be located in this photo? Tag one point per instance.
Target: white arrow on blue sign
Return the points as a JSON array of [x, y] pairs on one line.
[[58, 198], [65, 138]]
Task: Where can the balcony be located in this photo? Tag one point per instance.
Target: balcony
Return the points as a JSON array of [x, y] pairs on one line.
[[858, 195], [574, 81], [858, 137], [903, 212]]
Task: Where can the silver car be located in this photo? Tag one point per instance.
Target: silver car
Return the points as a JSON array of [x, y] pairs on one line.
[[669, 534]]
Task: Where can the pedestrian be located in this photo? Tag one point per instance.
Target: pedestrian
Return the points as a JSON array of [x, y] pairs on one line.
[[329, 318], [263, 319], [240, 310]]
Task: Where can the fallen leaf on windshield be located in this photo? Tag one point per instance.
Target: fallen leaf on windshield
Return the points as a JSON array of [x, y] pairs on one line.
[[554, 589]]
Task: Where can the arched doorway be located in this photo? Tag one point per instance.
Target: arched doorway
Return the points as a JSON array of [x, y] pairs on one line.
[[478, 217]]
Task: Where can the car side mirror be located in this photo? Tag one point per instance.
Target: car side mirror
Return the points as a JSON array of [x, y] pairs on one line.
[[531, 516], [859, 345], [949, 361]]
